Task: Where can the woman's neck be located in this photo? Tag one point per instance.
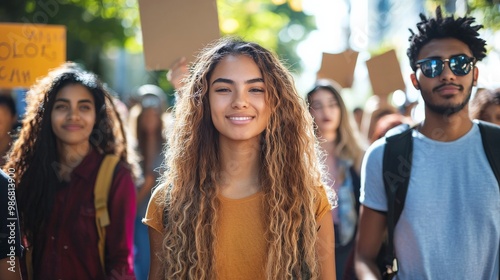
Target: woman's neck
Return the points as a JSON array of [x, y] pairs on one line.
[[240, 166], [70, 156], [329, 136], [328, 145]]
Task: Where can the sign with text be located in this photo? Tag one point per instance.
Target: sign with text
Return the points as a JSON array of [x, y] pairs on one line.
[[338, 67], [176, 28], [385, 73], [28, 51]]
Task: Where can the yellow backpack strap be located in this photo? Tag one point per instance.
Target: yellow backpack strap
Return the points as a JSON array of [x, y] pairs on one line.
[[101, 191]]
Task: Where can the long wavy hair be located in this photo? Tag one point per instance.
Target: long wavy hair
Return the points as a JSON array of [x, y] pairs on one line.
[[347, 143], [34, 157], [291, 174]]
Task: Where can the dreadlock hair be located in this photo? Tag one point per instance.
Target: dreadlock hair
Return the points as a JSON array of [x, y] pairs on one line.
[[347, 142], [447, 27], [34, 156], [290, 173]]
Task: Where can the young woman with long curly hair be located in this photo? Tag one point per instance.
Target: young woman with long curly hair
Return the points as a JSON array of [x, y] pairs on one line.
[[243, 195], [69, 126]]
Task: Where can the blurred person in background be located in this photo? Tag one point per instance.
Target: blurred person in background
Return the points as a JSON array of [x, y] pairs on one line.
[[8, 120], [386, 122], [358, 116], [340, 140], [146, 124], [375, 108], [486, 105]]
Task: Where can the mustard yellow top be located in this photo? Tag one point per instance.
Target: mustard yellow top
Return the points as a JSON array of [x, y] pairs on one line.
[[241, 245]]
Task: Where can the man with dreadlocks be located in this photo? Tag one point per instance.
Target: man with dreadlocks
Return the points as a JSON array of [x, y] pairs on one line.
[[450, 224]]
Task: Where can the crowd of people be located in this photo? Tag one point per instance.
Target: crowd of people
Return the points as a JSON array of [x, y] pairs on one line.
[[246, 178]]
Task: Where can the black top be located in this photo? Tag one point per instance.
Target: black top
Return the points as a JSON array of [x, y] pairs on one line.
[[10, 244]]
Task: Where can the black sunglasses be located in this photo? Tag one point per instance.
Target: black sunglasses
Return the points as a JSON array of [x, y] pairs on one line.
[[460, 65]]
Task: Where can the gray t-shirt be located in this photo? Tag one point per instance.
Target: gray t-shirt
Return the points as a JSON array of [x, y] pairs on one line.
[[450, 224]]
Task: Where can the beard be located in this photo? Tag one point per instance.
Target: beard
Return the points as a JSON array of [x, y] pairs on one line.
[[449, 109]]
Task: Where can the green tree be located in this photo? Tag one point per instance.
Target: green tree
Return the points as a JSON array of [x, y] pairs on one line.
[[279, 25], [486, 10], [92, 25]]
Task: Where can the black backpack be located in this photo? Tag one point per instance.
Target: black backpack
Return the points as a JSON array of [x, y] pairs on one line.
[[396, 175]]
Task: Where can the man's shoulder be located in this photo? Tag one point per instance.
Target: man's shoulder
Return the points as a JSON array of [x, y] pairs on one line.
[[379, 145], [399, 129], [376, 147], [487, 127]]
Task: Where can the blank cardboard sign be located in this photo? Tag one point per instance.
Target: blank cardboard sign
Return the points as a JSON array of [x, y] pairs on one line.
[[172, 29], [338, 67], [385, 73]]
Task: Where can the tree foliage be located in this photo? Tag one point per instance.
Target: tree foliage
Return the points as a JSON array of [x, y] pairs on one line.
[[95, 25], [278, 25], [488, 11], [92, 25]]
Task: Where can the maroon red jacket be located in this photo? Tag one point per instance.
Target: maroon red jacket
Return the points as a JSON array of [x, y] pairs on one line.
[[70, 248]]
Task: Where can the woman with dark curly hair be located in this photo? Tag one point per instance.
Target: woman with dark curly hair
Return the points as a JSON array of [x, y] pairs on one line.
[[486, 105], [243, 195], [69, 127]]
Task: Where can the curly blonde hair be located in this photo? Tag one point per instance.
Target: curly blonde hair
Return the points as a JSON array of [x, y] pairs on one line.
[[34, 156], [290, 175]]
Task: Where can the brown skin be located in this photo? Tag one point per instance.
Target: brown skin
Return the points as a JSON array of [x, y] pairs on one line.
[[372, 227], [155, 241], [72, 118], [438, 126], [446, 90]]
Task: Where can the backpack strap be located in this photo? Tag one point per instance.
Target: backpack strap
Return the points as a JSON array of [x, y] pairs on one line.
[[101, 191], [396, 175], [490, 134]]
